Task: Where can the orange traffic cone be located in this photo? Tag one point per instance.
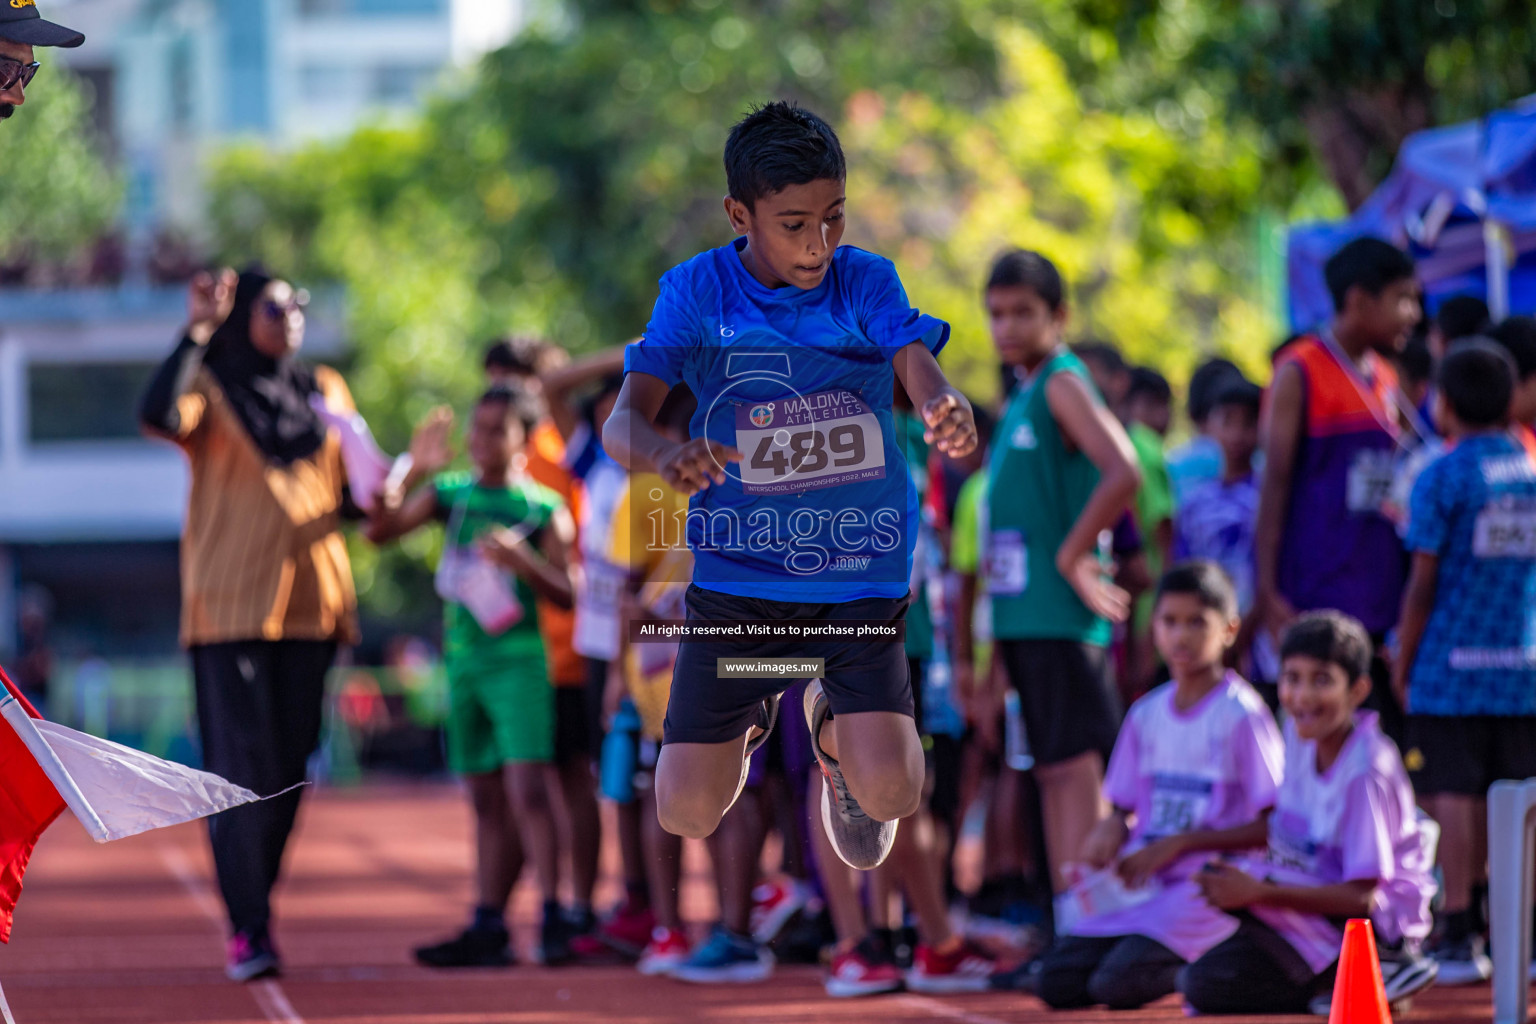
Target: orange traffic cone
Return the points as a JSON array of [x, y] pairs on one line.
[[1358, 994]]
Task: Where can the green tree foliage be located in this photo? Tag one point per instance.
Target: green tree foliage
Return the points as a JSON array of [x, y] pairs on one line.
[[1335, 84], [58, 195]]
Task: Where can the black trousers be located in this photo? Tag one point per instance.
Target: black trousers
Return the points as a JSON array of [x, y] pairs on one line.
[[1255, 971], [258, 713], [1121, 972]]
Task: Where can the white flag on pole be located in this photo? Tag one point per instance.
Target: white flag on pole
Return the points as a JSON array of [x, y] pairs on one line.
[[117, 791]]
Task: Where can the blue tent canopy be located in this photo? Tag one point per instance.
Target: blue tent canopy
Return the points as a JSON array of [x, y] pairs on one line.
[[1461, 199]]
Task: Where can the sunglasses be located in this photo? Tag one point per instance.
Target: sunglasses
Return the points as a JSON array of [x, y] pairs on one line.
[[13, 71], [280, 310]]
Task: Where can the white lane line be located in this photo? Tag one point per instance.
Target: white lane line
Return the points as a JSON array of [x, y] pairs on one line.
[[938, 1009], [274, 1003], [176, 862], [268, 994]]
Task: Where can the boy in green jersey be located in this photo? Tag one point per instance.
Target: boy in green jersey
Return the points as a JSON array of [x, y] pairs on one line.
[[507, 546], [1061, 473]]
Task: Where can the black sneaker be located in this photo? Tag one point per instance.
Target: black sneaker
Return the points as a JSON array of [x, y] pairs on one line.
[[555, 936], [473, 947], [1408, 974], [251, 955], [1463, 961]]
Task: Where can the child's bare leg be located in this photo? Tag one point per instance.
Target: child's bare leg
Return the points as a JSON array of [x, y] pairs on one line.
[[1457, 816], [581, 826], [884, 889], [735, 849], [881, 758], [1002, 848], [1071, 806], [498, 850], [914, 863], [695, 784], [631, 818], [663, 860], [529, 784]]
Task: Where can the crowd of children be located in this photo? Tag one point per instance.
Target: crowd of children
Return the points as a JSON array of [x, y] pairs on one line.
[[1352, 548]]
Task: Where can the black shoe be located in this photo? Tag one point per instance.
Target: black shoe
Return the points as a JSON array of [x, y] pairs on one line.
[[474, 947], [581, 922], [1023, 978], [555, 936], [251, 955]]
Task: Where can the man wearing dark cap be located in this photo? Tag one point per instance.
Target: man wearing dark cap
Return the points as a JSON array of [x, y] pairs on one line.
[[21, 29]]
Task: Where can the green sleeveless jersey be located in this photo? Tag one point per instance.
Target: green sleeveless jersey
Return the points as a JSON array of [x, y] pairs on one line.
[[1037, 487]]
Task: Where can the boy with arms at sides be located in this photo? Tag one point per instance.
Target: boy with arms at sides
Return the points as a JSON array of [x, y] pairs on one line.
[[1345, 841], [1331, 434], [1469, 623], [803, 510], [507, 547], [1062, 473], [1195, 769]]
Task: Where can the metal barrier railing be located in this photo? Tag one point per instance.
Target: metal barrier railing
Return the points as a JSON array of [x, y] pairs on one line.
[[1511, 862]]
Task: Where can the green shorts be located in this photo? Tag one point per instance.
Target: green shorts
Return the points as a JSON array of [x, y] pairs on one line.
[[499, 712]]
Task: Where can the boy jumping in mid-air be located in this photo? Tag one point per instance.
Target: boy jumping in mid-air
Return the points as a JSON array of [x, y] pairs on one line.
[[803, 511]]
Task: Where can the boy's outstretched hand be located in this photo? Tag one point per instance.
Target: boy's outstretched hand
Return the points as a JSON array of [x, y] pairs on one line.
[[430, 448], [951, 424], [693, 465]]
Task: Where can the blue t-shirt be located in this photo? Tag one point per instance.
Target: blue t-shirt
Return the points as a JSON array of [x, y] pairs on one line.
[[1216, 522], [1193, 464], [822, 507], [1475, 508]]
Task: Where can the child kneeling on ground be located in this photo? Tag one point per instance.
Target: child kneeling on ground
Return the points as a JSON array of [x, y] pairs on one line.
[[1345, 841], [1195, 769]]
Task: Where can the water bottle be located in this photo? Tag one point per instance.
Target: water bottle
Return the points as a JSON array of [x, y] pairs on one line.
[[1016, 752], [940, 715], [620, 755]]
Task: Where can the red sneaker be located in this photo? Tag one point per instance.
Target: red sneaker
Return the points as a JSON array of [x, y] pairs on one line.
[[864, 970], [967, 969], [667, 949], [773, 904], [628, 929]]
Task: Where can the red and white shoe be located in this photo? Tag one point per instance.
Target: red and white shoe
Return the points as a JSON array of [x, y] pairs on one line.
[[862, 971], [668, 949], [628, 929], [773, 904], [967, 969]]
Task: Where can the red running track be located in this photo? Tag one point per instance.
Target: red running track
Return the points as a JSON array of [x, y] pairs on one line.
[[131, 933]]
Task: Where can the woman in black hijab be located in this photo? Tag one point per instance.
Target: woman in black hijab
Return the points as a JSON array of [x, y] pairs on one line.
[[267, 591]]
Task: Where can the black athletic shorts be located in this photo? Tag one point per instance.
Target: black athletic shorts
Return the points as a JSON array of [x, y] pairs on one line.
[[1456, 756], [1067, 696], [861, 675], [573, 732]]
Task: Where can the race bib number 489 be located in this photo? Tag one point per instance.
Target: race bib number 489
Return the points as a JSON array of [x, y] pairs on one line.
[[798, 443]]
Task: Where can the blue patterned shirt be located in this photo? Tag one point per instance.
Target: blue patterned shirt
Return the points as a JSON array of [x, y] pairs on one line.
[[1475, 509]]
